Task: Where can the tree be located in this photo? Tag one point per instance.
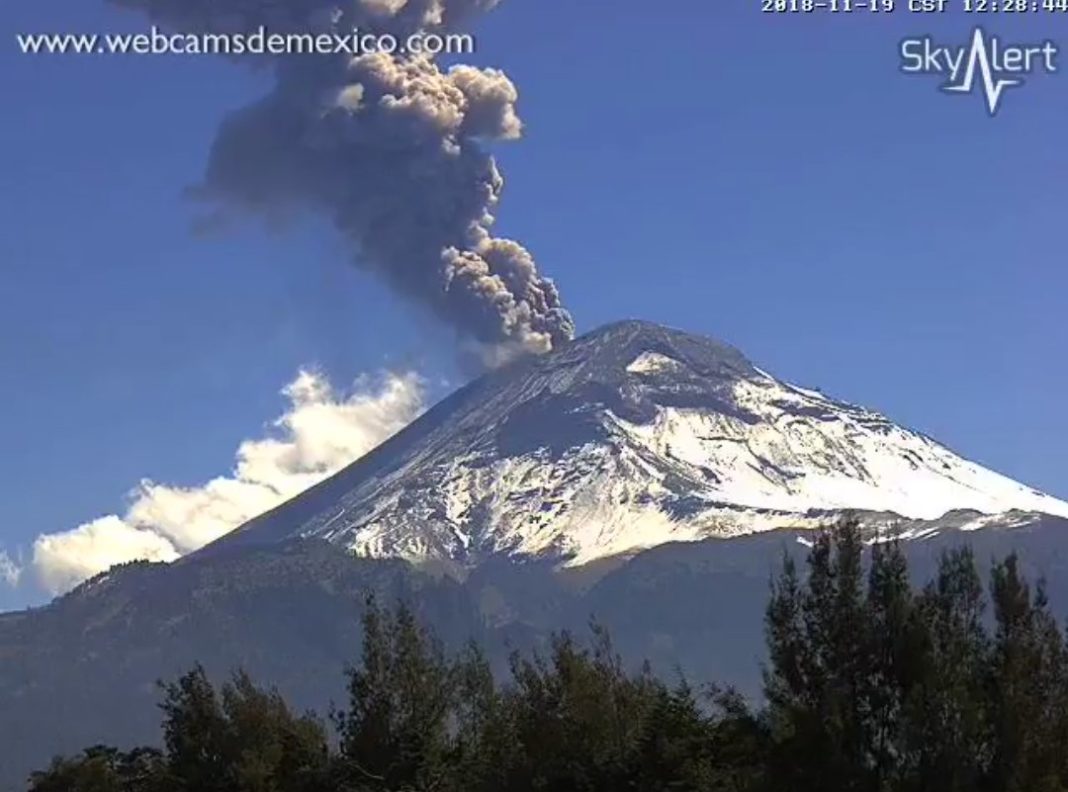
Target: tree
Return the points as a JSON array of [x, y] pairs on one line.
[[395, 733], [870, 686], [577, 714], [1028, 682], [947, 742], [893, 649], [819, 684], [242, 740], [102, 769]]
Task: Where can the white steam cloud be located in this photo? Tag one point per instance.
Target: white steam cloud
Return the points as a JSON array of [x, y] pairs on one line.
[[61, 561], [320, 433], [10, 572]]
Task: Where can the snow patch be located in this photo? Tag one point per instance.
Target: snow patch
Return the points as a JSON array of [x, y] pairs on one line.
[[654, 363]]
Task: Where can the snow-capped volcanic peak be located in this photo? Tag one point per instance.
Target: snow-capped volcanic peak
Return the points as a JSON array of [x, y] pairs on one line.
[[805, 452], [629, 437]]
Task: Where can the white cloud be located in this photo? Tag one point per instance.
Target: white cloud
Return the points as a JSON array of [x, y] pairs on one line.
[[320, 433], [10, 572], [64, 560]]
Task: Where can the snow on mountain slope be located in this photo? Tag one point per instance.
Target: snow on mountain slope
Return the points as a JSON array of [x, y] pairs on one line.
[[810, 453], [630, 437]]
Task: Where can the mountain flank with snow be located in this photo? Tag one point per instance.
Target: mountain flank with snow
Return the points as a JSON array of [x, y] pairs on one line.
[[630, 437]]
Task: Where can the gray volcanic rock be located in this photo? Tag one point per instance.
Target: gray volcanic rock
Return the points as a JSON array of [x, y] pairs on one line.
[[632, 436], [641, 476]]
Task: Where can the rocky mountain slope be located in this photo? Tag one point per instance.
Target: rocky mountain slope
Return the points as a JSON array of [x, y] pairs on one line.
[[83, 670], [641, 476], [630, 437]]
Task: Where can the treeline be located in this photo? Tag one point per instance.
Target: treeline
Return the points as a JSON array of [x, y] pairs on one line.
[[870, 685]]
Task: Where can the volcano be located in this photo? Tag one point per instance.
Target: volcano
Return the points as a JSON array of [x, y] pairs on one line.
[[639, 475], [634, 436]]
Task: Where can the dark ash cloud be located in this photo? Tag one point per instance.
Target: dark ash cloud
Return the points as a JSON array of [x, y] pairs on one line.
[[391, 148]]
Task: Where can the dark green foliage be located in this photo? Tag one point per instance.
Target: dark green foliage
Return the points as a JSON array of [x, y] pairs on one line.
[[102, 769], [395, 734], [572, 720], [242, 740], [1028, 688], [871, 686], [876, 687]]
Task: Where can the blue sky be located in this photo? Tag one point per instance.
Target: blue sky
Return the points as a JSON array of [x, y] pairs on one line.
[[771, 181]]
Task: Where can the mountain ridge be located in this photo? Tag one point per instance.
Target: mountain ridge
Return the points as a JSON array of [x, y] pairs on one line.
[[629, 422], [628, 437]]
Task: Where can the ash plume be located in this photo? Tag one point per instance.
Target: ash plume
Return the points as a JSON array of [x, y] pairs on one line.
[[391, 147]]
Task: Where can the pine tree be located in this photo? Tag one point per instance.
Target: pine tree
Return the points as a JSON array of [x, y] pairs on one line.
[[395, 733], [817, 684], [1027, 686], [947, 741], [892, 673], [870, 687]]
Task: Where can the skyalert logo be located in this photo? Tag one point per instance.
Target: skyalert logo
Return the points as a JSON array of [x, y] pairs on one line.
[[987, 65]]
